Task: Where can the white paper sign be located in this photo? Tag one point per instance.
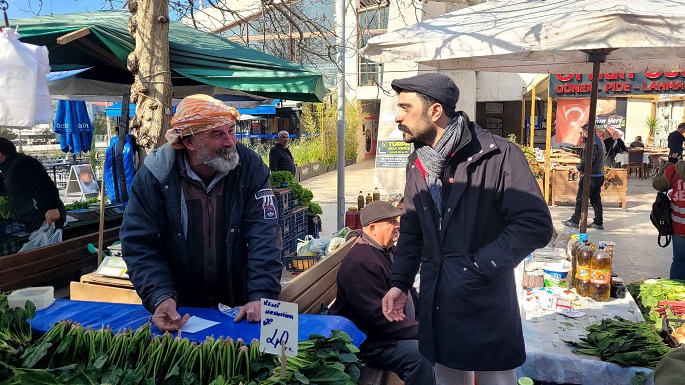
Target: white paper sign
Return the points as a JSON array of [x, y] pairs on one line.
[[279, 327], [196, 324]]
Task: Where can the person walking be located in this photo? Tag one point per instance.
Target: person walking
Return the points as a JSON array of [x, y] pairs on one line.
[[675, 144], [472, 212], [671, 178], [280, 157], [596, 183]]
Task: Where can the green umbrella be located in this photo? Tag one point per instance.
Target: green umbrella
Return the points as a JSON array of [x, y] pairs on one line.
[[195, 57]]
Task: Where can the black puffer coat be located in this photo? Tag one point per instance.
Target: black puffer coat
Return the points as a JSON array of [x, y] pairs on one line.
[[494, 214]]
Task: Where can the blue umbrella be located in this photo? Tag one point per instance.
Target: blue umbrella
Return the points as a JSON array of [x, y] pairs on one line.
[[73, 126]]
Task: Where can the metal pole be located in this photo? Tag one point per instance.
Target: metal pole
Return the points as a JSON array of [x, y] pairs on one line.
[[532, 116], [340, 32], [548, 146], [597, 58], [3, 7]]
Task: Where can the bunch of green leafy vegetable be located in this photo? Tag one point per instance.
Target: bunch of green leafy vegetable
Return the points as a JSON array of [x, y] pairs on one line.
[[281, 178], [319, 360], [314, 209], [622, 342], [15, 331], [303, 194], [5, 208], [80, 205], [69, 353], [652, 291]]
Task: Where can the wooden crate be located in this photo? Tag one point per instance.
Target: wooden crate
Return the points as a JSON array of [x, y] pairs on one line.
[[565, 190], [96, 287]]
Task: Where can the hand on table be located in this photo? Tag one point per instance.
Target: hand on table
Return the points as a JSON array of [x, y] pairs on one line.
[[393, 304], [166, 318], [253, 310], [52, 216]]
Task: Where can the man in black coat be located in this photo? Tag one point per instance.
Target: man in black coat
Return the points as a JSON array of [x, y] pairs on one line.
[[596, 183], [33, 196], [280, 158], [362, 281], [675, 144], [614, 145], [473, 212]]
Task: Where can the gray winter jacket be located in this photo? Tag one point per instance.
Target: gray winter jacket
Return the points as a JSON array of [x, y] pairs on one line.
[[154, 243]]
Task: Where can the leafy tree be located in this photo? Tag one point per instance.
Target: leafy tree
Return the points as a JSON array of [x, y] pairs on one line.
[[45, 136], [7, 133], [100, 125]]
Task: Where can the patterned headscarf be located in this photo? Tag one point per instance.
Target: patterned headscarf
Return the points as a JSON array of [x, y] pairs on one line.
[[198, 113]]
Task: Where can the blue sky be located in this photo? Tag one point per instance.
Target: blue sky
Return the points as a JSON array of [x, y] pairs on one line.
[[29, 8]]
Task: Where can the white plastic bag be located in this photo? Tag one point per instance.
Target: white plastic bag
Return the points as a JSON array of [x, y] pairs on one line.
[[335, 244], [44, 236], [311, 246]]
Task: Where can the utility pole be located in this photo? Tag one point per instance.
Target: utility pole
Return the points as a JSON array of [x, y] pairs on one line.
[[149, 62]]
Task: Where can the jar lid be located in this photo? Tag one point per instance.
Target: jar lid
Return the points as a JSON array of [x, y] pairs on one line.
[[617, 280]]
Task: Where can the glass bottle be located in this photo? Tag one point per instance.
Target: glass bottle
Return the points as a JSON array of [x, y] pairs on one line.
[[368, 198], [376, 194], [600, 287], [583, 269], [360, 200]]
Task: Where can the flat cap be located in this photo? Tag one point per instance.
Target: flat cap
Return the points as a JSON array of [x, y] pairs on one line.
[[377, 211], [438, 86]]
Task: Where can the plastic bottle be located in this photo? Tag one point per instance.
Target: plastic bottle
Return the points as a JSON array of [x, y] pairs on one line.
[[368, 198], [360, 200], [574, 240], [574, 255], [583, 269], [600, 287], [376, 194]]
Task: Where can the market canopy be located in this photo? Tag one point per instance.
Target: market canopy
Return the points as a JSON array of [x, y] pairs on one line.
[[195, 57], [550, 36]]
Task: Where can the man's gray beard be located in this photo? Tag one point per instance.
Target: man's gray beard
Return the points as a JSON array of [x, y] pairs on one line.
[[222, 164]]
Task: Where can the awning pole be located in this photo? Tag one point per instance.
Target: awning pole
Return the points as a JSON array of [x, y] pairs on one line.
[[340, 32], [597, 58]]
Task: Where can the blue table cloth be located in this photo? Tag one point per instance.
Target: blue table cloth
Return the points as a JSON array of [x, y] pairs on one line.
[[120, 316]]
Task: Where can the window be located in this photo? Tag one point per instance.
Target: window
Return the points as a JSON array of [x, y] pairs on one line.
[[371, 21]]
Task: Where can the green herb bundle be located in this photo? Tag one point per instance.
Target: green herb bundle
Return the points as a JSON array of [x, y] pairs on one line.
[[5, 208], [281, 178], [319, 360], [69, 353], [622, 342], [653, 291], [15, 331]]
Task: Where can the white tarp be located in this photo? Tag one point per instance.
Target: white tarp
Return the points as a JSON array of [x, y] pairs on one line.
[[543, 36]]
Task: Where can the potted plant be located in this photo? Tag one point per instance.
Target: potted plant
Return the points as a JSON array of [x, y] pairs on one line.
[[652, 124]]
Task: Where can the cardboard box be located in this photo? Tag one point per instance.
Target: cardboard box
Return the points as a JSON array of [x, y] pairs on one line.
[[96, 287]]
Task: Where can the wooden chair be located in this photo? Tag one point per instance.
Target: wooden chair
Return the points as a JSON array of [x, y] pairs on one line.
[[635, 162]]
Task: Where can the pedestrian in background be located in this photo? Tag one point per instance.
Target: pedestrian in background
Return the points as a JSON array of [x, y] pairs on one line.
[[280, 157], [472, 212], [675, 144]]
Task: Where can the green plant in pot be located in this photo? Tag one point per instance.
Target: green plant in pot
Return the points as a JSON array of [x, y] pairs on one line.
[[652, 124]]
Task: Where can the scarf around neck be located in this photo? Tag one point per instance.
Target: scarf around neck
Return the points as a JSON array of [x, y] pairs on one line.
[[435, 159]]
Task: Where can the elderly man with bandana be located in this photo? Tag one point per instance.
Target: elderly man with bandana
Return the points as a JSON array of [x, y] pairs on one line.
[[201, 225]]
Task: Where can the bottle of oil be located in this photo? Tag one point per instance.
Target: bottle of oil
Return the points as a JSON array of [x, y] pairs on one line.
[[600, 287], [376, 194], [360, 200], [583, 269], [573, 241], [368, 198], [582, 237]]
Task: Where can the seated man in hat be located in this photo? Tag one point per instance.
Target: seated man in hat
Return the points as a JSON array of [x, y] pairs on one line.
[[363, 279]]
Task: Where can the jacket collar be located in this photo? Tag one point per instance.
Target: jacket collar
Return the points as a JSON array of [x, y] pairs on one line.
[[474, 143], [387, 251]]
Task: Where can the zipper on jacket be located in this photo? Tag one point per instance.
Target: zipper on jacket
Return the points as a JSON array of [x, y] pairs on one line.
[[440, 224]]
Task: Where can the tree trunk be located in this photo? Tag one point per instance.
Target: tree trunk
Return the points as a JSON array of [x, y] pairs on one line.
[[149, 62]]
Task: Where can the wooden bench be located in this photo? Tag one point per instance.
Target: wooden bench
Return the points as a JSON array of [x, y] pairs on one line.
[[35, 267], [315, 288]]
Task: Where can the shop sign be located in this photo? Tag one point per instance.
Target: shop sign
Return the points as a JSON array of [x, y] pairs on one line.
[[618, 84], [394, 147]]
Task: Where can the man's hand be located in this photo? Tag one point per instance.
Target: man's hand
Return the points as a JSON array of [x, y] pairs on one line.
[[253, 310], [574, 171], [52, 216], [166, 318], [393, 304], [675, 155]]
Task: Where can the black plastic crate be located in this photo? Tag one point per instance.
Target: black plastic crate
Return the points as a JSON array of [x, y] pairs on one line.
[[283, 201], [300, 220], [669, 326]]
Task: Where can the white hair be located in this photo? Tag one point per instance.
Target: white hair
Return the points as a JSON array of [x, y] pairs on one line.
[[282, 133]]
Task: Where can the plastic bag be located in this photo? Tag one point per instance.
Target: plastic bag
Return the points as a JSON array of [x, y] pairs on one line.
[[311, 246], [334, 244], [44, 236]]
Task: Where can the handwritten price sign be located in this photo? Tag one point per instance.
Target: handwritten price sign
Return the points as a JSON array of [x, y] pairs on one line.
[[279, 327]]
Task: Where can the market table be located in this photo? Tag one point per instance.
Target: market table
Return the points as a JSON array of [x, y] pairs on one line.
[[550, 359], [120, 316], [622, 159]]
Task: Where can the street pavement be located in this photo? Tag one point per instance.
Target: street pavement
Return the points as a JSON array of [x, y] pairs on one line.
[[637, 255]]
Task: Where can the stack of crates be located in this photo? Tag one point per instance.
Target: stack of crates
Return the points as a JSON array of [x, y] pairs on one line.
[[290, 221]]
